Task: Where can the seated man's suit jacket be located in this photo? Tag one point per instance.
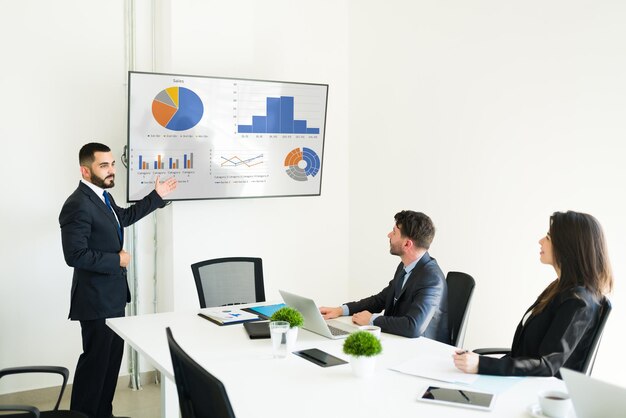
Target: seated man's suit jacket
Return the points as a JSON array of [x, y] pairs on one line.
[[421, 308]]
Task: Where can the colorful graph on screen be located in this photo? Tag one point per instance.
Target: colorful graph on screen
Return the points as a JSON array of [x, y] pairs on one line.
[[302, 164], [177, 108], [279, 119]]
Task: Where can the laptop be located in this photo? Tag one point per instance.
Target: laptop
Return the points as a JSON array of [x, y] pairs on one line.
[[593, 398], [313, 319]]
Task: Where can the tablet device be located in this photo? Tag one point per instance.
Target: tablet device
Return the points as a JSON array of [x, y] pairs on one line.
[[257, 330], [458, 397], [319, 357]]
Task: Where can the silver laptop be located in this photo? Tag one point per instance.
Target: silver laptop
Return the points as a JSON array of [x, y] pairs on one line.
[[593, 398], [313, 319]]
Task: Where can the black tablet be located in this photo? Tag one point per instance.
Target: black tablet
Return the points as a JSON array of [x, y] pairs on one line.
[[458, 397], [257, 330], [319, 357]]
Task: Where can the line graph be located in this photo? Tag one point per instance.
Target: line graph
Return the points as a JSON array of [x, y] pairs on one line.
[[239, 162], [236, 161]]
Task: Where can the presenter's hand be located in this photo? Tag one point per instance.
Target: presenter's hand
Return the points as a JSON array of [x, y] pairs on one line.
[[163, 189], [124, 258], [466, 361], [362, 318], [330, 313]]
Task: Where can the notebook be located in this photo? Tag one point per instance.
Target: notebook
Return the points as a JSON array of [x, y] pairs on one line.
[[313, 319], [594, 398]]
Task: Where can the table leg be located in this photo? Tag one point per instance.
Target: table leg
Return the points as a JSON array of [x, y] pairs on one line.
[[169, 399]]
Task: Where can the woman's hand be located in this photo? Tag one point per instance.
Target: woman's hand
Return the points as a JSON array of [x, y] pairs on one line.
[[466, 361]]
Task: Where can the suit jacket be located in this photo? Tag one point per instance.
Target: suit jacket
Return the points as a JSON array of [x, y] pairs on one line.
[[559, 336], [91, 245], [421, 308]]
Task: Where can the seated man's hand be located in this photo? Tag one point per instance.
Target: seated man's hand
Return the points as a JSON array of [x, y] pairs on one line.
[[330, 313], [362, 318]]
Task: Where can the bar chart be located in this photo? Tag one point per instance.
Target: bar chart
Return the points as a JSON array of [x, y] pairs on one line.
[[279, 119], [164, 162]]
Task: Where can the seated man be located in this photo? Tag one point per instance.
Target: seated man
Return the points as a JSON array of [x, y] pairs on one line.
[[416, 300]]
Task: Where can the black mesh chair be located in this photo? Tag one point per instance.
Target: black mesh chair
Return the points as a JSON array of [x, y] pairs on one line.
[[460, 292], [24, 411], [200, 394], [229, 281], [590, 359]]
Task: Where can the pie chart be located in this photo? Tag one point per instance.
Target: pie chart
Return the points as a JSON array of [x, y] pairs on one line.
[[302, 163], [177, 108]]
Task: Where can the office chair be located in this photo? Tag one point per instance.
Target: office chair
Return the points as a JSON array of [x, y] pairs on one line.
[[592, 352], [229, 281], [460, 292], [200, 394], [29, 410]]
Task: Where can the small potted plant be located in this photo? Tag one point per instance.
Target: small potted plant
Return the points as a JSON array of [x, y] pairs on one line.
[[362, 347], [295, 319]]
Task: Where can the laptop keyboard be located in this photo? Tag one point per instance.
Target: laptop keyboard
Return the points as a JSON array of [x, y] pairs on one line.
[[336, 331]]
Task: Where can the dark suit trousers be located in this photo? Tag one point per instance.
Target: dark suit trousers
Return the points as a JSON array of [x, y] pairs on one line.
[[97, 370]]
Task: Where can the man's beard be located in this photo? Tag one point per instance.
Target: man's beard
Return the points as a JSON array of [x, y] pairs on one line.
[[100, 182]]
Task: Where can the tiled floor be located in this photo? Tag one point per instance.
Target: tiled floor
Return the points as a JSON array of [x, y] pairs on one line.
[[144, 403]]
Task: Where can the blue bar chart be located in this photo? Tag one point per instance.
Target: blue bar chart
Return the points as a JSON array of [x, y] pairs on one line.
[[279, 119]]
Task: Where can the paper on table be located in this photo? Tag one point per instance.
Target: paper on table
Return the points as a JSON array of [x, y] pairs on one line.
[[433, 360]]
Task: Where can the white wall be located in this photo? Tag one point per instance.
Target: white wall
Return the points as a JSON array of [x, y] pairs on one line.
[[303, 241], [488, 116]]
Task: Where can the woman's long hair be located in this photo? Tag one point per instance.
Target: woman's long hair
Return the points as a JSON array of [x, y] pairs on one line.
[[579, 250]]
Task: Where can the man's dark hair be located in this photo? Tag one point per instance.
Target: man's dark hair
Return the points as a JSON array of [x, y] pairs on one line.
[[86, 154], [417, 227]]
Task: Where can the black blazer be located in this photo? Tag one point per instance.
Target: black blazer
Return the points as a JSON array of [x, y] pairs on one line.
[[421, 308], [91, 245], [560, 336]]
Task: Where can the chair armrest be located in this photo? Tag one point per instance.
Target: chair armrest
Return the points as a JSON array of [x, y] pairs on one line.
[[489, 351], [63, 371], [26, 408]]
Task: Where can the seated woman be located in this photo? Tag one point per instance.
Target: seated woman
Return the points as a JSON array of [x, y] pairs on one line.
[[558, 328]]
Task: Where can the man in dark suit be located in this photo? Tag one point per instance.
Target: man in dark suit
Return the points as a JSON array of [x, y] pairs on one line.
[[416, 300], [92, 234]]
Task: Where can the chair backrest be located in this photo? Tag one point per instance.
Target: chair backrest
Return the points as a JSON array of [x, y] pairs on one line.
[[229, 281], [460, 291], [200, 394], [605, 310]]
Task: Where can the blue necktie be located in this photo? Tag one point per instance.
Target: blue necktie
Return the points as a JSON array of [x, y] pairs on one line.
[[107, 200]]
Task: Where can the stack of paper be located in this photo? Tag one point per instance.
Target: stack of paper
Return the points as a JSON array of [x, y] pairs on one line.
[[226, 316]]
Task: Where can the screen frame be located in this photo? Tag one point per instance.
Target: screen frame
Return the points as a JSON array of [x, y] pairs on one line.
[[169, 199]]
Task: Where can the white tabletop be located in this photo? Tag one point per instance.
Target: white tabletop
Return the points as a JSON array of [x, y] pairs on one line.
[[259, 385]]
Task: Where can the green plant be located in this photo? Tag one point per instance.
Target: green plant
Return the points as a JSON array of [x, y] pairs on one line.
[[362, 343], [291, 315]]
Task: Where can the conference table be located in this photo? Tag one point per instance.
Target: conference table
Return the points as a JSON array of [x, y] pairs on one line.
[[259, 385]]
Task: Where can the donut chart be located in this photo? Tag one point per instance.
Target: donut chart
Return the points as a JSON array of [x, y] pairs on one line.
[[302, 164], [177, 108]]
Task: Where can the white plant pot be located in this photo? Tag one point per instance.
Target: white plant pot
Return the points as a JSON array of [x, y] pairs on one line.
[[363, 366], [291, 336]]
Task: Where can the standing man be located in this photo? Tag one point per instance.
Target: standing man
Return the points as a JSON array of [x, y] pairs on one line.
[[416, 300], [92, 234]]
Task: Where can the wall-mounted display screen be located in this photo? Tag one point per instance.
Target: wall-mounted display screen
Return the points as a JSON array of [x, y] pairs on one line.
[[225, 137]]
